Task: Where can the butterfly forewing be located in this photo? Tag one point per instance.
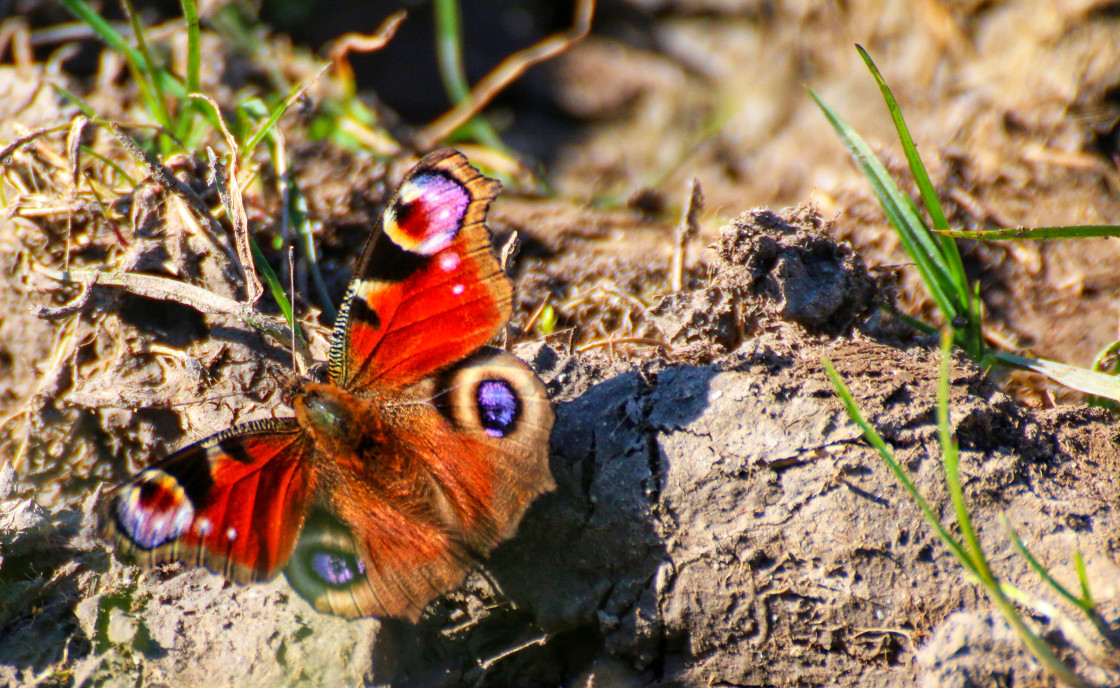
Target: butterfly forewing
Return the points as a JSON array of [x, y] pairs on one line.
[[234, 502], [429, 289]]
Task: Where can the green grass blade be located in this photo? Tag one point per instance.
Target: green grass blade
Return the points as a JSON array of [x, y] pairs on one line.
[[297, 207], [76, 100], [1081, 379], [1107, 357], [976, 327], [102, 28], [109, 163], [449, 49], [158, 100], [278, 112], [1035, 565], [1083, 580], [273, 282], [167, 82], [194, 57], [876, 441], [925, 186], [913, 322], [951, 461], [449, 52], [881, 179], [184, 127], [1035, 645], [899, 209], [948, 246], [1036, 233], [115, 40]]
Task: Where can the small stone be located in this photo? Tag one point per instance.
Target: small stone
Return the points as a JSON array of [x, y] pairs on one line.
[[86, 612], [122, 627], [7, 481]]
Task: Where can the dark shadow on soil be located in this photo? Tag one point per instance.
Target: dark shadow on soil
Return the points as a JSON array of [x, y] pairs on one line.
[[584, 555]]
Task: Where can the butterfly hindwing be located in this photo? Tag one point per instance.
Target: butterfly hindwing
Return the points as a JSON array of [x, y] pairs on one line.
[[429, 289], [234, 502], [471, 456], [496, 414], [361, 559]]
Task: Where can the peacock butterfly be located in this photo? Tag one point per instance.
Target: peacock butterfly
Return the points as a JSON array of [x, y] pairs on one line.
[[419, 455]]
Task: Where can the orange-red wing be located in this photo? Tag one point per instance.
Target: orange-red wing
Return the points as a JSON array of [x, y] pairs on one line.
[[428, 290], [234, 502], [373, 558], [449, 481]]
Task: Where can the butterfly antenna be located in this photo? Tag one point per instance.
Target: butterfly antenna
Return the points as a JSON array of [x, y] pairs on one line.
[[292, 299], [207, 399]]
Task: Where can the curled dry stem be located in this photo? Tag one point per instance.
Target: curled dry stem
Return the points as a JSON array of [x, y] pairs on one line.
[[362, 43], [189, 295], [229, 190], [504, 74]]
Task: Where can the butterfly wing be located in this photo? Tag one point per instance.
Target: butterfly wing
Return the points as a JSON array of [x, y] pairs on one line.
[[495, 413], [234, 502], [429, 289], [371, 558], [462, 461]]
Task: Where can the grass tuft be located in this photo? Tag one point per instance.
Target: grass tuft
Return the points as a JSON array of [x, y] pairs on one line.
[[968, 552], [937, 258]]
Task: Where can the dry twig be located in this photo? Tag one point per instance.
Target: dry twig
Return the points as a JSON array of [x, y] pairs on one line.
[[688, 228], [504, 74], [189, 295]]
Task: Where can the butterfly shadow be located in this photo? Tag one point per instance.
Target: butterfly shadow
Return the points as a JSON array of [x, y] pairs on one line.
[[579, 580]]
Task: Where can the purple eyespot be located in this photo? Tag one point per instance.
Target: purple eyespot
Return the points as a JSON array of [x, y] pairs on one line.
[[428, 214], [498, 407], [335, 568]]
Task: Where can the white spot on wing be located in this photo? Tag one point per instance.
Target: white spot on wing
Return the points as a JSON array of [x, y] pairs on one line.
[[231, 534], [448, 261], [458, 289]]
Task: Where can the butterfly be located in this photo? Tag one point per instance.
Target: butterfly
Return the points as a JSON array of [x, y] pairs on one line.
[[418, 456]]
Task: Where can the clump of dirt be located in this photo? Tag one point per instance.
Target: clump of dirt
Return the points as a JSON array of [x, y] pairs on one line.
[[796, 269], [772, 269]]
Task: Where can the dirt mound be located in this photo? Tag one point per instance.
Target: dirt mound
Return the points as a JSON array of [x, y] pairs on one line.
[[713, 522]]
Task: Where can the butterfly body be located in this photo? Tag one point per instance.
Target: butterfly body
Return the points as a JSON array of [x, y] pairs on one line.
[[419, 454]]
